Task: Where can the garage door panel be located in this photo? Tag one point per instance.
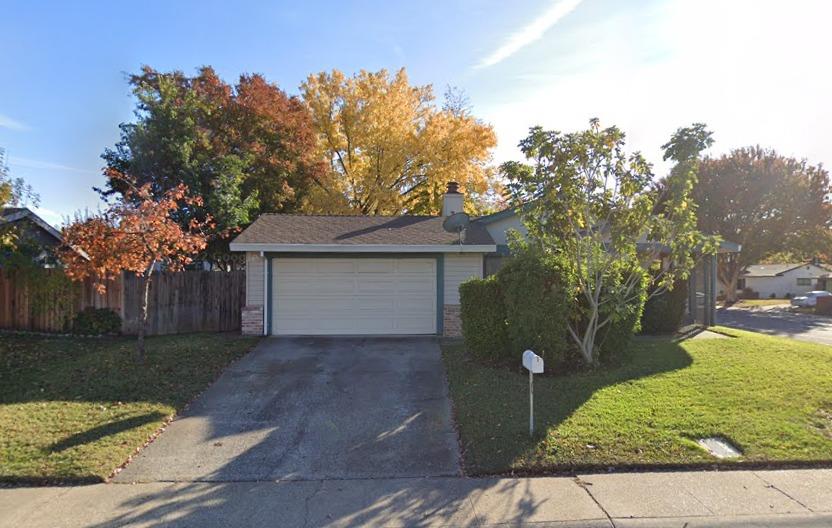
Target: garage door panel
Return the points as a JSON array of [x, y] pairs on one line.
[[369, 284], [354, 296], [415, 284], [416, 266], [354, 326], [375, 266], [291, 265], [411, 305], [324, 286], [333, 266]]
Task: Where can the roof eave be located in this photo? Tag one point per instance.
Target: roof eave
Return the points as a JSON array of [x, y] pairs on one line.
[[363, 248], [38, 221]]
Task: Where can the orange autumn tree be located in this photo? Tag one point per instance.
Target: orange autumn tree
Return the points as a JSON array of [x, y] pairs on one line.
[[137, 233]]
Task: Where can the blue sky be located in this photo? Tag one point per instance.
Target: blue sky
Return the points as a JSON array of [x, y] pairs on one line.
[[756, 71]]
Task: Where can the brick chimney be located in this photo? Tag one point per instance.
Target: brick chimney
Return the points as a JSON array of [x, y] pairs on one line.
[[453, 200]]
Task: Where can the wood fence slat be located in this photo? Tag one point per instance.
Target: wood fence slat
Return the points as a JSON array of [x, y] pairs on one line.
[[180, 302]]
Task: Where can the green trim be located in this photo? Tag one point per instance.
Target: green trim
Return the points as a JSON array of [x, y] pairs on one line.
[[269, 301], [440, 294]]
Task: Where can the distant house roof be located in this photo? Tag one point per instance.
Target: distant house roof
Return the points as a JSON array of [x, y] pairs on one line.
[[725, 246], [775, 270], [9, 215], [285, 232]]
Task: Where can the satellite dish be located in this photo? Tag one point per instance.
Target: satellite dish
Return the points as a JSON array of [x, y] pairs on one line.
[[456, 223]]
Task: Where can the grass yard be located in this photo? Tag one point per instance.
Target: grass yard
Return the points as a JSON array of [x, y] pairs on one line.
[[72, 410], [770, 396], [753, 303]]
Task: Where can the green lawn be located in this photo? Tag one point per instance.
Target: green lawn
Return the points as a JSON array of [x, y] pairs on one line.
[[750, 303], [770, 396], [73, 410]]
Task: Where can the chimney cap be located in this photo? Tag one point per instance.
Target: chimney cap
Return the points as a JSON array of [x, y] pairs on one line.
[[453, 187]]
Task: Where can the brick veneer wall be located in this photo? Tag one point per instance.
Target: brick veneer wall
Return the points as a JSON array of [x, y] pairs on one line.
[[252, 320], [452, 326]]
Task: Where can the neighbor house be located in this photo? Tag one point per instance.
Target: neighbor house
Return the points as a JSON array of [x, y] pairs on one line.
[[784, 280], [40, 237], [330, 275]]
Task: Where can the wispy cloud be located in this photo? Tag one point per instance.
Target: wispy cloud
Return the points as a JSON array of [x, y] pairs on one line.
[[45, 165], [12, 124], [54, 218], [530, 33]]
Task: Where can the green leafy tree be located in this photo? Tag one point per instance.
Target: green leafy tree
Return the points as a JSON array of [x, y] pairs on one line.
[[770, 204], [14, 192], [593, 204], [246, 149]]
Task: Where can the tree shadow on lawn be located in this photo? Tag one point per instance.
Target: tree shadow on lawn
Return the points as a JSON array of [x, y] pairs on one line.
[[75, 376], [492, 404], [108, 429]]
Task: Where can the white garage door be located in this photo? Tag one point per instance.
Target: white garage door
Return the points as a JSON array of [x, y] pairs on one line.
[[320, 296]]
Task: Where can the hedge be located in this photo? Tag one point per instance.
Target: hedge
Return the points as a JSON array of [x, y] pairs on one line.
[[96, 321], [483, 318], [528, 304], [537, 304], [663, 312]]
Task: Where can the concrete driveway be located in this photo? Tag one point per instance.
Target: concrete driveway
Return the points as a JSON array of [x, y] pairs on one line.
[[310, 409], [780, 322]]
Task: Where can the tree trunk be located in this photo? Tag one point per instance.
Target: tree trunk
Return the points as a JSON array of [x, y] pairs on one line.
[[143, 301], [731, 292], [728, 272]]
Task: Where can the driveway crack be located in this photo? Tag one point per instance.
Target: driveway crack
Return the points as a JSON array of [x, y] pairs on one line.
[[308, 499]]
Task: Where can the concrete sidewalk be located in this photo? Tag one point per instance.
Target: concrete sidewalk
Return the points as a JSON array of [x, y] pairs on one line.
[[796, 498]]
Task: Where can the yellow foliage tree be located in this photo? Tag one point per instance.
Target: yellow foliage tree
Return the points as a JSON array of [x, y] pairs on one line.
[[392, 150]]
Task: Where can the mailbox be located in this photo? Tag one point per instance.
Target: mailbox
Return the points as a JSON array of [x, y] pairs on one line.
[[532, 362]]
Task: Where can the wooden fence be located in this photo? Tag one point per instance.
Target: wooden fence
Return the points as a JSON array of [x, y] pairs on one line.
[[188, 301]]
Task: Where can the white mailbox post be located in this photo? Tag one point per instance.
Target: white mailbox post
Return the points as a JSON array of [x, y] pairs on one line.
[[534, 364]]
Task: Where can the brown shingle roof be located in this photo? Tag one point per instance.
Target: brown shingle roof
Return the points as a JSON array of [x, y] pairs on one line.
[[355, 230]]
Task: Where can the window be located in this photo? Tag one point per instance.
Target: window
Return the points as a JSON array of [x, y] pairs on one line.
[[804, 282]]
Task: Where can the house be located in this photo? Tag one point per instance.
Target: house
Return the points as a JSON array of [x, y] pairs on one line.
[[30, 229], [322, 275], [332, 275], [784, 280]]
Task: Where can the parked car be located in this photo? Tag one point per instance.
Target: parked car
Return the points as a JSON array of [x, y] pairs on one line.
[[810, 299]]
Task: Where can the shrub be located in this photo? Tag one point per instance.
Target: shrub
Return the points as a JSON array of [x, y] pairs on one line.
[[613, 340], [536, 292], [483, 318], [96, 321], [663, 312]]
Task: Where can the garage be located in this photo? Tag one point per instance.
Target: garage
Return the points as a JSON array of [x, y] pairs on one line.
[[358, 275], [358, 296]]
